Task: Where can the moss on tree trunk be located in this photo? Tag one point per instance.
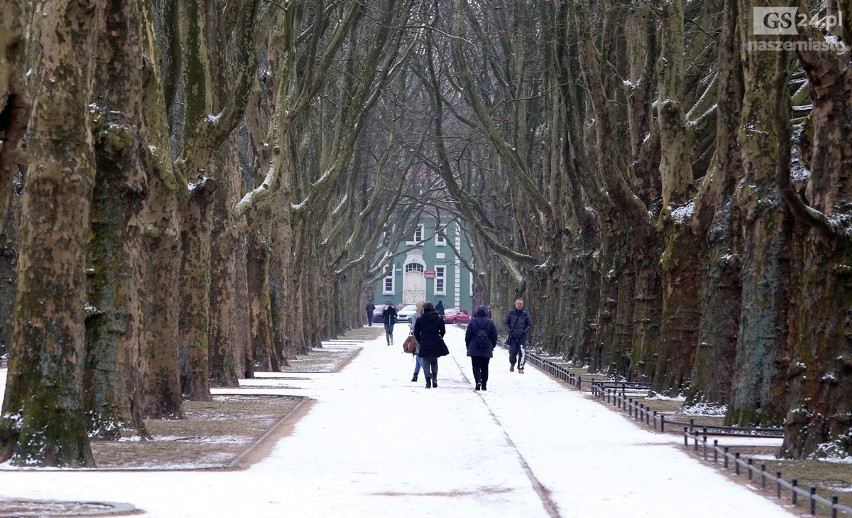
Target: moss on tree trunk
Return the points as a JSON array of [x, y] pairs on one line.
[[43, 420]]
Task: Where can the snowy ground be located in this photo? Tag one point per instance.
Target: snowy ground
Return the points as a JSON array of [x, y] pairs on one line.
[[375, 444]]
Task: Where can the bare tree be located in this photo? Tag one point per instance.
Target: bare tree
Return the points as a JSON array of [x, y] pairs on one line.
[[43, 419]]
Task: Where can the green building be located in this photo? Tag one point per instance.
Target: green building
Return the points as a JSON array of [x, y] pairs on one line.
[[428, 268]]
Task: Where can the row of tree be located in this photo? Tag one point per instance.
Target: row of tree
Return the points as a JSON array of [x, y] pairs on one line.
[[198, 190], [188, 204], [674, 195]]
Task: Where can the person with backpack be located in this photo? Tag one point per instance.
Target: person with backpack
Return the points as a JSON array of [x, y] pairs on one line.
[[481, 338], [518, 324], [389, 320]]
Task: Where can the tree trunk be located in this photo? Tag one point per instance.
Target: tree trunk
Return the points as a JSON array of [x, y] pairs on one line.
[[647, 311], [681, 262], [43, 420], [112, 378], [819, 418], [613, 264], [14, 99], [760, 394], [14, 112], [224, 354], [257, 265], [713, 368], [195, 290], [160, 246], [242, 314], [9, 242], [161, 302]]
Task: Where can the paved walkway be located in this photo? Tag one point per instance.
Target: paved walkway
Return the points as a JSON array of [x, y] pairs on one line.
[[374, 444]]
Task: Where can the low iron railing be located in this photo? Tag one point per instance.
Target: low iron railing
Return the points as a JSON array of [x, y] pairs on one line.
[[620, 395], [765, 476]]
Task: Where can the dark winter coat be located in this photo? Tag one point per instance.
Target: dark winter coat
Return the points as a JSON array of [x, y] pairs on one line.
[[480, 321], [439, 309], [370, 307], [389, 315], [429, 332], [518, 324]]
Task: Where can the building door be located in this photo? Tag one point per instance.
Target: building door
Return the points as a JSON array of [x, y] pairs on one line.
[[413, 284]]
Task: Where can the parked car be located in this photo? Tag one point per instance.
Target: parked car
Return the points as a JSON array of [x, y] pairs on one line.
[[404, 314], [377, 313], [456, 316]]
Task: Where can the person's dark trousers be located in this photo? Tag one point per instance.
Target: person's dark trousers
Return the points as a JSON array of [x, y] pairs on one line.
[[514, 349], [370, 318], [480, 370], [430, 370]]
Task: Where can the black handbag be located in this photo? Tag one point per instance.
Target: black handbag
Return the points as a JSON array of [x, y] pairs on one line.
[[444, 349]]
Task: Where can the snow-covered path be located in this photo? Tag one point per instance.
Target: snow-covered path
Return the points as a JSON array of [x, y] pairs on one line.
[[377, 445]]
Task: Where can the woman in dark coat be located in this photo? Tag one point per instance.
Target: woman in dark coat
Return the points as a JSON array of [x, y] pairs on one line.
[[480, 346], [429, 332]]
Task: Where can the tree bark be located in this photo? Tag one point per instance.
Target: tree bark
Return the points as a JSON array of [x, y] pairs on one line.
[[160, 245], [820, 411], [257, 266], [715, 210], [195, 293], [112, 378], [43, 421], [760, 393], [224, 354], [14, 98]]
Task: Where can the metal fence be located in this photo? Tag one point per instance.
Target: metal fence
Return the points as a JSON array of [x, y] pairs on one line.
[[764, 476], [620, 394]]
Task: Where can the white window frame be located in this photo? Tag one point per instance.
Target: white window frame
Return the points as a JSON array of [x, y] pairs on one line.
[[440, 239], [440, 275], [414, 267], [419, 230], [385, 290]]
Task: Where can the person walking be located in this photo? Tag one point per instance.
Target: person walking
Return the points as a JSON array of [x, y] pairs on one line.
[[481, 339], [370, 307], [418, 362], [518, 324], [389, 319], [429, 332], [439, 309]]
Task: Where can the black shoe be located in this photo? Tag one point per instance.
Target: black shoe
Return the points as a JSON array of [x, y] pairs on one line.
[[520, 371], [435, 382], [477, 386], [428, 383], [414, 378], [511, 367], [483, 386]]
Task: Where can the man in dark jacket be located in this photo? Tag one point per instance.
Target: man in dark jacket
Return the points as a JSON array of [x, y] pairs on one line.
[[518, 324], [481, 338], [370, 307], [389, 319], [439, 309]]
